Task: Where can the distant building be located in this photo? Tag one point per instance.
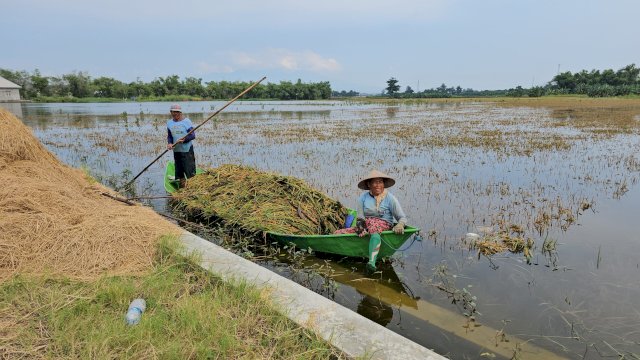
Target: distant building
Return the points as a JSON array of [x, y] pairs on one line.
[[8, 90]]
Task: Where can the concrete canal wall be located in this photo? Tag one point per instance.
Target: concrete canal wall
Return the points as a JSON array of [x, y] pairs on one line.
[[348, 331]]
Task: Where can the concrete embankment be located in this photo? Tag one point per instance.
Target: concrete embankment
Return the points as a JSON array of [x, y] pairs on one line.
[[348, 331]]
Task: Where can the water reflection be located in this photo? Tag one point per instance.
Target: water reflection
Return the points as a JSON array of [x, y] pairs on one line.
[[13, 107], [374, 309]]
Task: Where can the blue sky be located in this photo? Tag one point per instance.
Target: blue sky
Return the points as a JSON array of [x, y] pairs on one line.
[[353, 44]]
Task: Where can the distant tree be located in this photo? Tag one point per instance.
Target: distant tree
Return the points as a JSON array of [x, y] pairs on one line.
[[79, 84], [109, 88], [536, 91], [409, 90], [598, 83], [629, 75], [392, 87], [517, 92], [172, 84], [58, 86], [193, 86], [565, 80], [40, 84], [138, 89]]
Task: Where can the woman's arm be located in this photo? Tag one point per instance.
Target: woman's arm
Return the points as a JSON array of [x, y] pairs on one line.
[[396, 210]]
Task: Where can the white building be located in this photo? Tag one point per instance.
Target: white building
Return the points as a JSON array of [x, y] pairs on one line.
[[8, 90]]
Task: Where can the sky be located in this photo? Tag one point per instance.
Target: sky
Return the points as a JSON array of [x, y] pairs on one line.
[[353, 44]]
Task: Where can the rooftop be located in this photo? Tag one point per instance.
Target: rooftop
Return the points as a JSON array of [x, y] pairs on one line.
[[4, 83]]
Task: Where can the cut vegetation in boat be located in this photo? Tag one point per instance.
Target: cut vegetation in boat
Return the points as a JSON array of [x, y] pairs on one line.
[[256, 202]]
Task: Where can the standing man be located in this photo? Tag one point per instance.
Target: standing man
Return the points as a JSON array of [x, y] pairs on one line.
[[177, 129]]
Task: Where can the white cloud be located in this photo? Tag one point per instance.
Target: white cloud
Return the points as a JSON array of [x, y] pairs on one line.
[[288, 62], [282, 59], [213, 68]]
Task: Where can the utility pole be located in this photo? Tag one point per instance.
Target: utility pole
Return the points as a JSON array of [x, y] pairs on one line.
[[418, 86]]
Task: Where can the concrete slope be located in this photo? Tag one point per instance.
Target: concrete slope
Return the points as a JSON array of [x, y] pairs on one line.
[[348, 331]]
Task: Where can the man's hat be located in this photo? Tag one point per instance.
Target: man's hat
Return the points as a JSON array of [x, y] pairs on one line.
[[175, 108]]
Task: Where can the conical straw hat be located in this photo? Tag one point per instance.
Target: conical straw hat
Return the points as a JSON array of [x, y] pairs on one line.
[[388, 181]]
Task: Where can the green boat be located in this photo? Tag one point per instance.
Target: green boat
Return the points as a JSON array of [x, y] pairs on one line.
[[338, 244], [346, 244], [170, 182]]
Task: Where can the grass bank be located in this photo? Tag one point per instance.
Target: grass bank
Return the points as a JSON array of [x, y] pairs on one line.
[[190, 314]]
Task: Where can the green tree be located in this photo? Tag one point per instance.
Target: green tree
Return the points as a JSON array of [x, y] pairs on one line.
[[40, 84], [172, 85], [109, 88], [58, 86], [392, 87], [79, 84], [565, 80], [193, 86], [628, 75]]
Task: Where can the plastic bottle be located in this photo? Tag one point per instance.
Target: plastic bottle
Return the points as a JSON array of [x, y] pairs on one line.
[[136, 308], [472, 237]]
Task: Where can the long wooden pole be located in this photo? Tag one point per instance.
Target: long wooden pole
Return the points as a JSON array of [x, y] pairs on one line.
[[195, 128]]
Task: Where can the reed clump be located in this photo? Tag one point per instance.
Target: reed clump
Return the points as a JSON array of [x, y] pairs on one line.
[[252, 201]]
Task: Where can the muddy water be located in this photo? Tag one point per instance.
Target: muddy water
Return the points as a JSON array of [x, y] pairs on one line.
[[498, 170]]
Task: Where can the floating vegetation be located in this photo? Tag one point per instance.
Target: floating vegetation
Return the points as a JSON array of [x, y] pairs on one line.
[[500, 242], [254, 202], [444, 281]]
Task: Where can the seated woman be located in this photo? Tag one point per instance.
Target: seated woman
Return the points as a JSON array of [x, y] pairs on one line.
[[381, 211]]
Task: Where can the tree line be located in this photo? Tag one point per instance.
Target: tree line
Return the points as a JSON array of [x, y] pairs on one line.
[[80, 85], [594, 83]]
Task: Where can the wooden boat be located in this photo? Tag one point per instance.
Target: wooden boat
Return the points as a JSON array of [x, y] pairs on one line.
[[346, 244], [170, 182]]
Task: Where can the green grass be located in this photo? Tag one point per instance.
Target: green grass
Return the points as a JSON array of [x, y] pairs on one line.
[[190, 314]]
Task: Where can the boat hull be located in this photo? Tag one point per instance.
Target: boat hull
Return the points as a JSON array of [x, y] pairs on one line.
[[171, 185], [346, 244]]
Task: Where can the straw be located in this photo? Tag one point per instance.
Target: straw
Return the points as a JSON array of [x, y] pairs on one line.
[[54, 220]]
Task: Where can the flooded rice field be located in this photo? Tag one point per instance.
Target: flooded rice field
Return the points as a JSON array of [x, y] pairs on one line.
[[530, 243]]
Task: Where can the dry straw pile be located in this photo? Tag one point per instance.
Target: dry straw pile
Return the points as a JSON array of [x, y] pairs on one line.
[[243, 198], [54, 220]]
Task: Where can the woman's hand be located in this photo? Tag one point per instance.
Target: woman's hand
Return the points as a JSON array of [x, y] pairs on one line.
[[399, 228]]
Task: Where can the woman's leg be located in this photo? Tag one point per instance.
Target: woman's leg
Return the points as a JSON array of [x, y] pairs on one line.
[[374, 249], [375, 226]]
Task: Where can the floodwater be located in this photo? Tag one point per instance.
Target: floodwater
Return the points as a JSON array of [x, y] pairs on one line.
[[562, 181]]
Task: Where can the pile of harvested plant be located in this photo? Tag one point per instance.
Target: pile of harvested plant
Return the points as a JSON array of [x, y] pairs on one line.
[[251, 201], [54, 219]]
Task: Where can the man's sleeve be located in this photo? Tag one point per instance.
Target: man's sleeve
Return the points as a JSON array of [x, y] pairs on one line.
[[169, 136], [190, 136]]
